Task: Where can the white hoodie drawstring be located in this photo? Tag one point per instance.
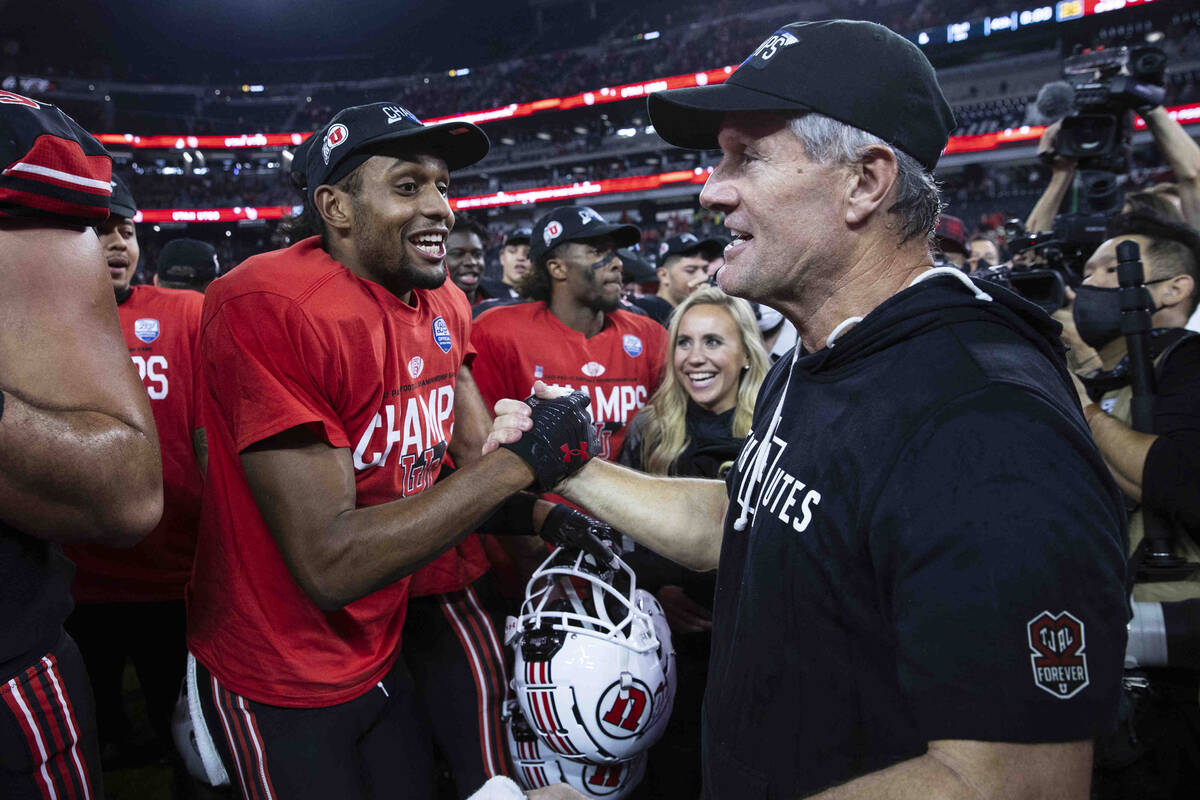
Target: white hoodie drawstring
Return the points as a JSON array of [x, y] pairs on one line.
[[760, 457], [955, 272]]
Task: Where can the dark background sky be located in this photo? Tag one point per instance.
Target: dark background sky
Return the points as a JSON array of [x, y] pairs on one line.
[[216, 37]]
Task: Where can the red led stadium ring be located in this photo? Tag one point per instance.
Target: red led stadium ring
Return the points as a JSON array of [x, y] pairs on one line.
[[1185, 115]]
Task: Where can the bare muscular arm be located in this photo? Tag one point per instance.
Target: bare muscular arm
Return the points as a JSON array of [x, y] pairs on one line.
[[79, 458], [305, 490]]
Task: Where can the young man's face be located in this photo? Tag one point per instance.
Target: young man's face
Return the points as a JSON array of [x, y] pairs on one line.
[[118, 241], [401, 219], [464, 260], [592, 271], [676, 279], [514, 258]]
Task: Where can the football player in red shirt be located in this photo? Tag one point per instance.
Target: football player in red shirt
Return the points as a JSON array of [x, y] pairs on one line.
[[121, 594], [78, 450], [329, 396], [574, 334]]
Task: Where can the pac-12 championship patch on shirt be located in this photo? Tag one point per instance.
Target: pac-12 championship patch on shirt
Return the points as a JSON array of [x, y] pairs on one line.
[[146, 329], [441, 334]]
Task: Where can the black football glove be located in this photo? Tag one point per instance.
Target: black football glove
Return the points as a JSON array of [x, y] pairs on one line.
[[562, 440], [566, 527]]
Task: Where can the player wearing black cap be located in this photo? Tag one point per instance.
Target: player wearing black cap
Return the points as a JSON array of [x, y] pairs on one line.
[[187, 264], [78, 449], [514, 265], [920, 554], [683, 264], [330, 376], [575, 333]]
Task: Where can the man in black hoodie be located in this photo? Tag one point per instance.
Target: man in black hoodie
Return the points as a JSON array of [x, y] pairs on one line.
[[920, 554]]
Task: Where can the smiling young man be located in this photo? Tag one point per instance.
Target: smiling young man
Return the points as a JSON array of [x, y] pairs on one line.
[[329, 374], [574, 334]]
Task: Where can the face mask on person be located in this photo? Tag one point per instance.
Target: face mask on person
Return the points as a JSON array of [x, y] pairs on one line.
[[1097, 313]]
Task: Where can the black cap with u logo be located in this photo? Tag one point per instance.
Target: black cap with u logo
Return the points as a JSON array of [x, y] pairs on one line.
[[356, 133]]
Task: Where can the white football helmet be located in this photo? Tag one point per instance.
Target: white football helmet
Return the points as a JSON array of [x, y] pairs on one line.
[[595, 669], [537, 766]]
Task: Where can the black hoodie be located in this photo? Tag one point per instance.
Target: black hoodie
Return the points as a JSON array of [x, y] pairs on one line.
[[932, 549]]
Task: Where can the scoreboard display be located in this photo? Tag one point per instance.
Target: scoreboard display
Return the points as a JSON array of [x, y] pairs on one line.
[[983, 27]]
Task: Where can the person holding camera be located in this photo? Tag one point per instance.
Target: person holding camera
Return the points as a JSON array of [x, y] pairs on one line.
[[1157, 473]]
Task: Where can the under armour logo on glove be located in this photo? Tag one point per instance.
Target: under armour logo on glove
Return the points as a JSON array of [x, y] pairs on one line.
[[558, 424], [571, 452]]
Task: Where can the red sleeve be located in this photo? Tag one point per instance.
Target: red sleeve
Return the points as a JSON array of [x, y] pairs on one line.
[[489, 367], [268, 370]]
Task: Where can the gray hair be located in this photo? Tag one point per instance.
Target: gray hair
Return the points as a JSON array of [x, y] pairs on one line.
[[828, 141]]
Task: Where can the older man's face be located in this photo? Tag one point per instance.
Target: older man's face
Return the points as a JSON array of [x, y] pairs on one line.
[[784, 210]]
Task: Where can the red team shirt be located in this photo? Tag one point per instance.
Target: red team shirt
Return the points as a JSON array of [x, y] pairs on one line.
[[162, 328], [294, 338], [619, 367]]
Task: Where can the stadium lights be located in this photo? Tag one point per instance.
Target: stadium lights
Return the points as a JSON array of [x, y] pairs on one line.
[[1185, 115]]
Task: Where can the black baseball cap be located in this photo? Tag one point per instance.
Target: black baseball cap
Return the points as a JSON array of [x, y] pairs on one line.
[[687, 243], [50, 167], [635, 269], [518, 236], [575, 223], [188, 261], [355, 133], [121, 201], [859, 73]]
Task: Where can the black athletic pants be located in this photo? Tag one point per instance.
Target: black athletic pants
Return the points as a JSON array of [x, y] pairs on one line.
[[48, 746], [453, 650], [350, 751], [151, 635]]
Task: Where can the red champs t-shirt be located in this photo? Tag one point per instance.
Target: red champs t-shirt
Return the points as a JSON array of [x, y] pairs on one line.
[[619, 368], [162, 328], [294, 338]]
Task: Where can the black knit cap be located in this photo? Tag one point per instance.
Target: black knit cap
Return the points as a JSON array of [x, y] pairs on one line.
[[49, 166], [859, 73]]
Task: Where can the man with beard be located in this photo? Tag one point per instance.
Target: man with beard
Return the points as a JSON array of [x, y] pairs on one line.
[[575, 334], [329, 393]]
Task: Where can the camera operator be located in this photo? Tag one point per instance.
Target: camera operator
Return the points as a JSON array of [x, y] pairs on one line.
[[1158, 471], [1179, 150]]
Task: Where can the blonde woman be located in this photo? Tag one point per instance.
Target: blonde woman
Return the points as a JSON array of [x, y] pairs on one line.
[[693, 426]]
